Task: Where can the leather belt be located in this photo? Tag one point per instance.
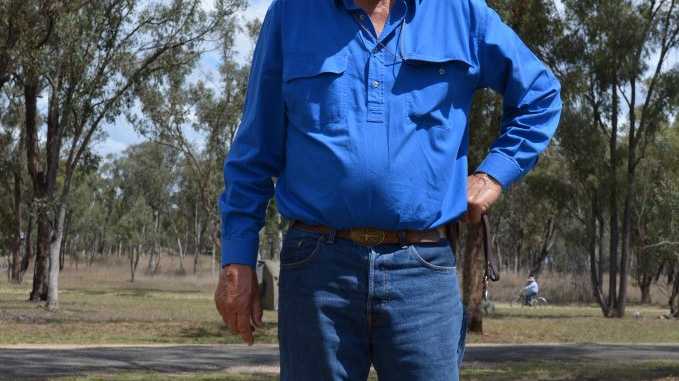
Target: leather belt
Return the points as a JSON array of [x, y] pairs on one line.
[[374, 237]]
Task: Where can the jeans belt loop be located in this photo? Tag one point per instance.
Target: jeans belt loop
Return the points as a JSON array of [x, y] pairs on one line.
[[330, 238], [401, 237]]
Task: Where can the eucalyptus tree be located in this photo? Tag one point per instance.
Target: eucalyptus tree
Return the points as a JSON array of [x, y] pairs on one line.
[[174, 110], [16, 209], [191, 211], [96, 54], [621, 49], [150, 172]]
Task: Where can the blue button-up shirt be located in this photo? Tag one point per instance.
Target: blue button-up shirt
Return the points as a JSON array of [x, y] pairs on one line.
[[362, 130]]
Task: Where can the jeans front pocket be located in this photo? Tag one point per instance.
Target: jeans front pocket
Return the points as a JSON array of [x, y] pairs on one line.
[[437, 257], [299, 247]]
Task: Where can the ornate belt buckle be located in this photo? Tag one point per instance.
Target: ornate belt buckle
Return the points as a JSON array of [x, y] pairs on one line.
[[367, 237]]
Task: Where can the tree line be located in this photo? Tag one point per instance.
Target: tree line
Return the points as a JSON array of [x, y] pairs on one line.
[[603, 201]]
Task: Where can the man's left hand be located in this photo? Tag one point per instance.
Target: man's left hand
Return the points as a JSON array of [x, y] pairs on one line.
[[482, 192]]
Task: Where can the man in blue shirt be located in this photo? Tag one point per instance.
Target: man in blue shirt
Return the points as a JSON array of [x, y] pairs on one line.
[[358, 111]]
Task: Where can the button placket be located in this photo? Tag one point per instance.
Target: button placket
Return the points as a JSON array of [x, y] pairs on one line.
[[375, 89]]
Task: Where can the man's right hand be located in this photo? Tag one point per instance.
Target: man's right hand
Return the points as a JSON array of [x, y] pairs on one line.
[[237, 300]]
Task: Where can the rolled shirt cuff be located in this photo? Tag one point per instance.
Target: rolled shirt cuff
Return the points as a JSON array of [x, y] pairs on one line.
[[239, 251], [502, 168]]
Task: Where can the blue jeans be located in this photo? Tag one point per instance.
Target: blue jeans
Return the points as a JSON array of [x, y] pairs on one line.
[[528, 297], [343, 307]]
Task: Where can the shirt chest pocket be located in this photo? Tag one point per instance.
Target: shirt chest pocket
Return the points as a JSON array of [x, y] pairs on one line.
[[314, 89], [434, 89]]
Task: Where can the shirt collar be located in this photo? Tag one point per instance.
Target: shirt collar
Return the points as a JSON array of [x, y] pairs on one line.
[[350, 5], [398, 10]]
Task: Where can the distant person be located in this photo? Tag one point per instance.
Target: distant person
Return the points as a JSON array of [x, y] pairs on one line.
[[530, 290], [360, 109]]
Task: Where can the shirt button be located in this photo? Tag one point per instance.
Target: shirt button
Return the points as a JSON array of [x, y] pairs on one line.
[[362, 17], [376, 84], [442, 71]]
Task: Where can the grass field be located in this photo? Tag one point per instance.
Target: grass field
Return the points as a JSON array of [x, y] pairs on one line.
[[99, 306]]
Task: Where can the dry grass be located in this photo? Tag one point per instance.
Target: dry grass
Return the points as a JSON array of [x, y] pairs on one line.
[[100, 306], [575, 324], [566, 289]]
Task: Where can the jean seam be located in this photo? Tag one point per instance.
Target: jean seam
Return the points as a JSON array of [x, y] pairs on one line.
[[371, 286], [429, 265], [307, 258]]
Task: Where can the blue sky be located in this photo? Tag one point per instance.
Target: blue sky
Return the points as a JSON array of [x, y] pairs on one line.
[[121, 135]]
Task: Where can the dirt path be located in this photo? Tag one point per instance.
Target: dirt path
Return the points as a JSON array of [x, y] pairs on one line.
[[39, 362]]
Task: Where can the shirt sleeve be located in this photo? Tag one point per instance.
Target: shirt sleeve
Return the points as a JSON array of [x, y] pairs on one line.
[[531, 105], [258, 149]]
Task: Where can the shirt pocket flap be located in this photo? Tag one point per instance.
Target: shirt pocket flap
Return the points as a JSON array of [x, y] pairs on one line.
[[444, 58], [311, 65]]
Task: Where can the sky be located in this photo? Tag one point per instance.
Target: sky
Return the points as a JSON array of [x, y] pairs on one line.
[[121, 135]]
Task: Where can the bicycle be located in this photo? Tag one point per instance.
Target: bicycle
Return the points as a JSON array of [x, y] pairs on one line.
[[536, 301]]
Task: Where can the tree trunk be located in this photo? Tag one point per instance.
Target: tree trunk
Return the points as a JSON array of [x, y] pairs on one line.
[[547, 244], [216, 247], [595, 273], [180, 265], [134, 256], [154, 259], [28, 249], [41, 268], [64, 243], [645, 288], [613, 203], [54, 260], [15, 271], [674, 297], [93, 253], [472, 277], [198, 241], [627, 213], [31, 87], [602, 248]]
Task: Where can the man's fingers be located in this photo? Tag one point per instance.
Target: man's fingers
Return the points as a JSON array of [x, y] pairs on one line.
[[257, 312], [482, 192], [236, 300], [227, 312], [232, 322], [221, 303], [244, 328], [474, 189], [475, 214]]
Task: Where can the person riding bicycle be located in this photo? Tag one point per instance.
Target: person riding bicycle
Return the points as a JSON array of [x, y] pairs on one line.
[[530, 290]]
